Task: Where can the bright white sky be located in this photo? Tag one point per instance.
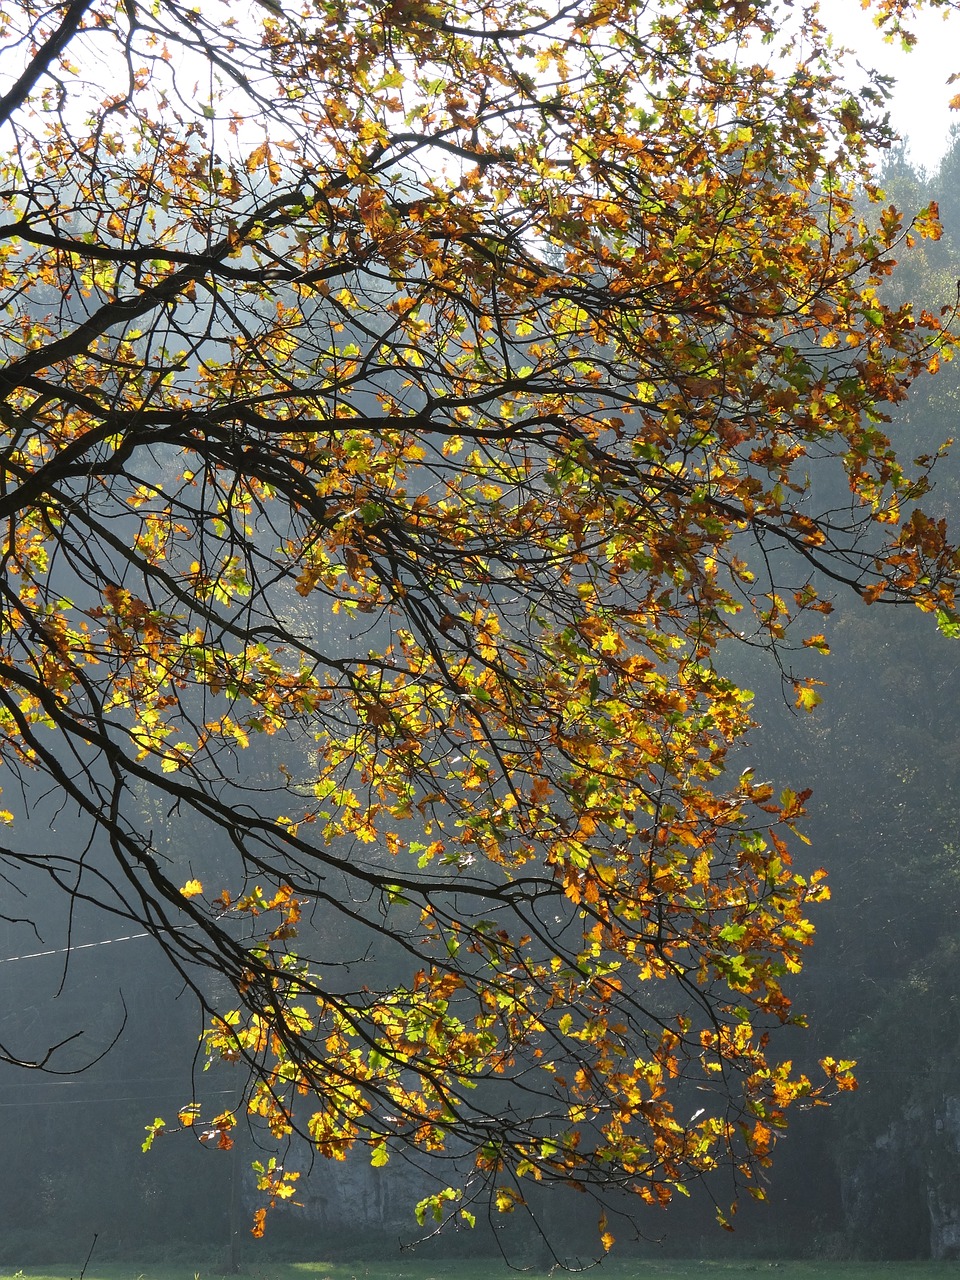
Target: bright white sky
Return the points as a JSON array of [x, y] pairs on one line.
[[919, 107]]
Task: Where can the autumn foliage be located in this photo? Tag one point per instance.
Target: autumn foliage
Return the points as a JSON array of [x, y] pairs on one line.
[[405, 409]]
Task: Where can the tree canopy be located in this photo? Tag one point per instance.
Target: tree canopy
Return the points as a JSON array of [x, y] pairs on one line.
[[402, 406]]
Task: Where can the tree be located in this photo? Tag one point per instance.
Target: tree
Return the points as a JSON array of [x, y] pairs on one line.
[[426, 393]]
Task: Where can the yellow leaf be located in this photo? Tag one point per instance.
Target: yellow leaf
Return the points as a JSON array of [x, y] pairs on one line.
[[188, 1114], [700, 873], [258, 157], [807, 697], [192, 889], [606, 1239]]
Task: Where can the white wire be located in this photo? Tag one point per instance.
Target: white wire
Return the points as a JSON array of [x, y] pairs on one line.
[[77, 946], [83, 946]]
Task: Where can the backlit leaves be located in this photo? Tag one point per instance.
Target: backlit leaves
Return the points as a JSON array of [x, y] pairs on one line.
[[393, 442]]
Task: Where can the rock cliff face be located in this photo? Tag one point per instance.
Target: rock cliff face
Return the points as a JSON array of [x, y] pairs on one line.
[[345, 1197], [884, 1193], [943, 1180], [901, 1191]]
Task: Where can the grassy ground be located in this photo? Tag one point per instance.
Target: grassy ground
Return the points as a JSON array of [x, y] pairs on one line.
[[613, 1269]]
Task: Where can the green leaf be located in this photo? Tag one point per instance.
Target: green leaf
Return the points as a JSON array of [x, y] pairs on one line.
[[153, 1132], [733, 932]]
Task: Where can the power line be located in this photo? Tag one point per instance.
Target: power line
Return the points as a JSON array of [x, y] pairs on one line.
[[81, 1083], [94, 1102], [81, 946], [77, 946]]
